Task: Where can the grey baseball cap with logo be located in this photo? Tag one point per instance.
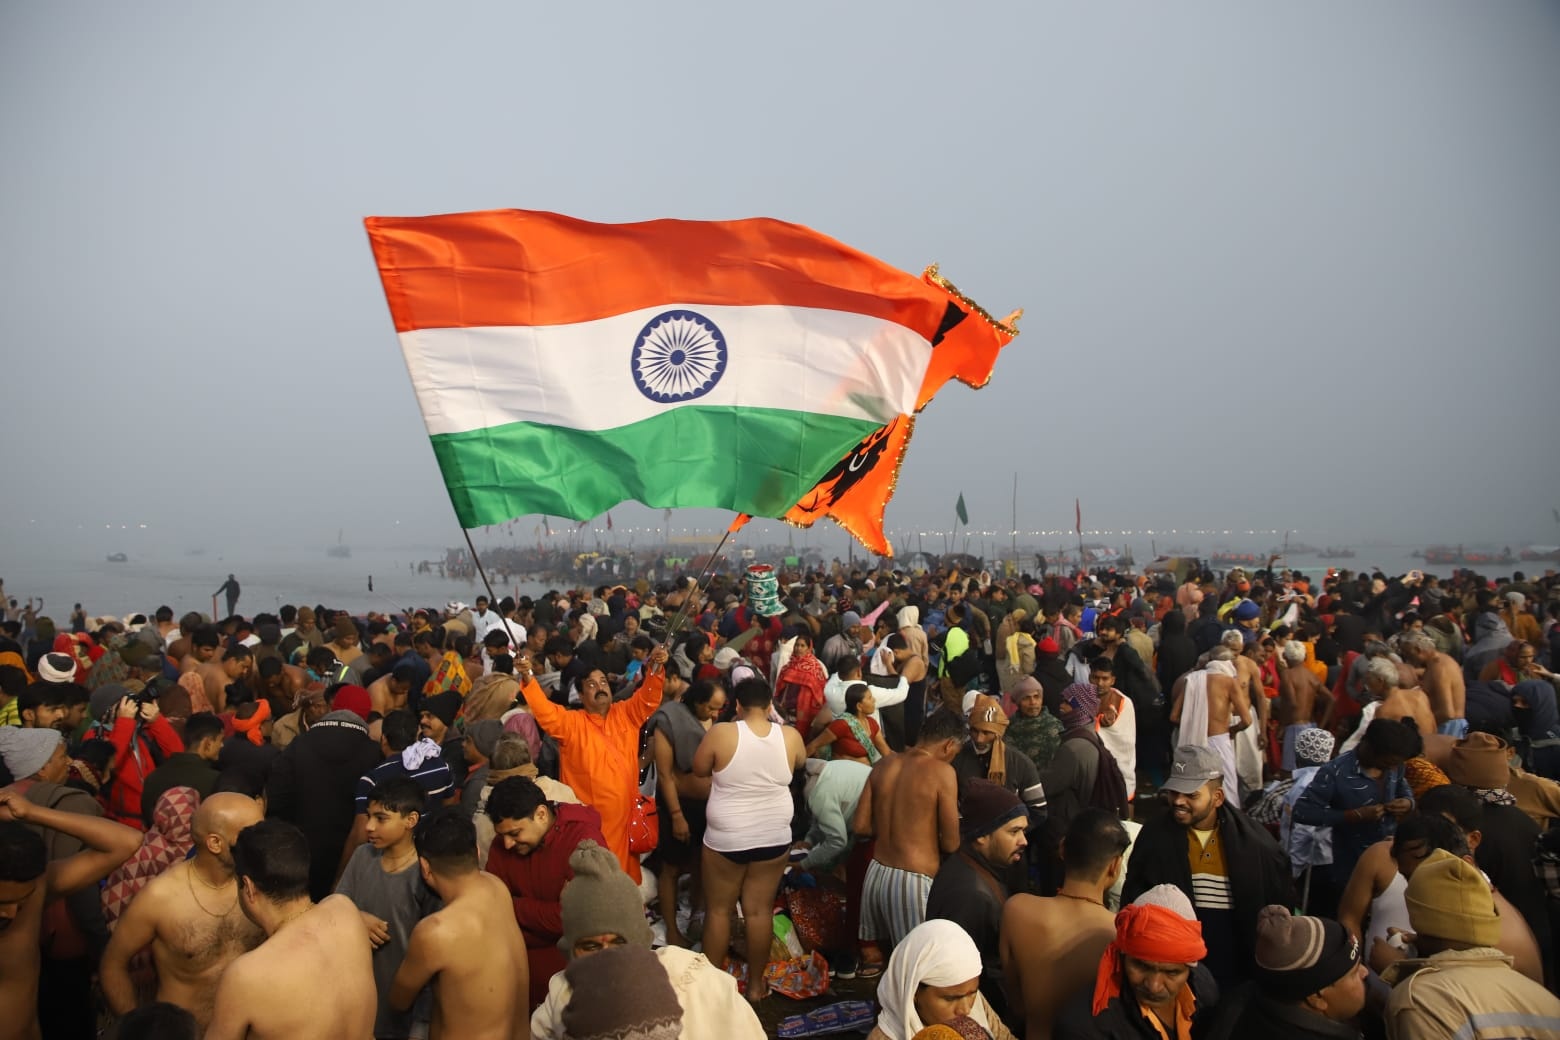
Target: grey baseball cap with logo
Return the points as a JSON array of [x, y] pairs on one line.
[[1193, 766]]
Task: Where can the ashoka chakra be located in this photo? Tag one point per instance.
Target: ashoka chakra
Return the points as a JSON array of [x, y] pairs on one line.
[[678, 356]]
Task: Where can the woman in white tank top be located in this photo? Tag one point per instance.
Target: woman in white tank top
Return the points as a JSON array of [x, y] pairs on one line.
[[748, 832]]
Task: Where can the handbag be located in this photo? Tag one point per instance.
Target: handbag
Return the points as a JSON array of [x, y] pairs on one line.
[[644, 826]]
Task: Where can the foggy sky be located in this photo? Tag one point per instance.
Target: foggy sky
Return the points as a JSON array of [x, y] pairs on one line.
[[1284, 266]]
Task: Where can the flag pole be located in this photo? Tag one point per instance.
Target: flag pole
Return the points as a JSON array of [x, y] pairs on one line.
[[493, 600], [682, 611], [1015, 524], [1078, 515]]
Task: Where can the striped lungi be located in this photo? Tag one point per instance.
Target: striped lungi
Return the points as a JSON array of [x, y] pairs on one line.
[[893, 901]]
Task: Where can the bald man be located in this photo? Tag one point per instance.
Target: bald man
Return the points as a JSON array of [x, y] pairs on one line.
[[189, 916]]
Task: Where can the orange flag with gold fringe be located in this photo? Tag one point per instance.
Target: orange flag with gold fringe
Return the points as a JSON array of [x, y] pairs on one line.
[[855, 491]]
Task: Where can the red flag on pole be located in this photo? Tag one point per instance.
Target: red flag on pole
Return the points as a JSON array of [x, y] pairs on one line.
[[1078, 515]]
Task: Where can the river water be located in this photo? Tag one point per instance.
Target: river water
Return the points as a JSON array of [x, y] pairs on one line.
[[267, 580], [272, 577]]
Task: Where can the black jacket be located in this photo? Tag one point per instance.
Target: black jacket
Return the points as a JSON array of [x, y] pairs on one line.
[[253, 761], [967, 893], [1247, 1013], [1258, 867], [312, 785], [1506, 854], [180, 769]]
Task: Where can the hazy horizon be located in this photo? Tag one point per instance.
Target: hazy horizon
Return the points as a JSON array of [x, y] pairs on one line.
[[1284, 268]]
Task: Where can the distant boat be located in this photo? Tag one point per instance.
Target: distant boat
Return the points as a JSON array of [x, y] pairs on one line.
[[1458, 556], [340, 550], [1225, 558], [118, 558], [1340, 553]]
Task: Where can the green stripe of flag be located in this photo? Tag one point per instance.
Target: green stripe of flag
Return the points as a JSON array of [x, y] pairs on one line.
[[751, 460]]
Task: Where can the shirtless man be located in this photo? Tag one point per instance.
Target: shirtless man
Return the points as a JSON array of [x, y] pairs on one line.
[[389, 692], [234, 666], [28, 882], [1382, 680], [307, 945], [1051, 946], [471, 950], [1442, 680], [189, 916], [1224, 699], [1303, 699], [1248, 680], [910, 804], [203, 647]]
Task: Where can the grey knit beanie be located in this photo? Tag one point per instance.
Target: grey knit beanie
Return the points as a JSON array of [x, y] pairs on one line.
[[600, 898]]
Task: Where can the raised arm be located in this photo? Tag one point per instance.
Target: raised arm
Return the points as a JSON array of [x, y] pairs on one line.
[[549, 716], [647, 697], [108, 844], [886, 694]]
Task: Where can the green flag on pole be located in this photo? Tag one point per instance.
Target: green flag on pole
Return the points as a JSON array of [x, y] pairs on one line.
[[960, 511]]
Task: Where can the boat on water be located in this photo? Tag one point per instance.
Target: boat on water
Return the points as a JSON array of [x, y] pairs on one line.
[[1237, 559], [1336, 553], [118, 558], [1458, 556], [1542, 553], [339, 551]]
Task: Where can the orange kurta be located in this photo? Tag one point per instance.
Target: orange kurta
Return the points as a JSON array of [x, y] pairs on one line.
[[599, 757]]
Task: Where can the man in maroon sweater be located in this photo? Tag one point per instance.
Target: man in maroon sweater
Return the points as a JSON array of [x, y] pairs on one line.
[[532, 842]]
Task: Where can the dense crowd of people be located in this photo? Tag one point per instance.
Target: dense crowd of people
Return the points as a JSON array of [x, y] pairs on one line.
[[1171, 805]]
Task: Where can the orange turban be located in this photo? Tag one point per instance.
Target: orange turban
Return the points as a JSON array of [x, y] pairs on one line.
[[1150, 933], [250, 727]]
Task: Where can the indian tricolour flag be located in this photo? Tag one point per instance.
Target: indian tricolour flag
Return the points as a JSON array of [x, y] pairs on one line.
[[564, 366]]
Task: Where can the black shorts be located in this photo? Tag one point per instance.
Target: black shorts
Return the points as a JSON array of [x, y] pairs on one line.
[[747, 856], [680, 853]]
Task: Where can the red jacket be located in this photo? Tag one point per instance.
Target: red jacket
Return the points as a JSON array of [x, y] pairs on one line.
[[536, 881], [133, 765]]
